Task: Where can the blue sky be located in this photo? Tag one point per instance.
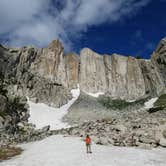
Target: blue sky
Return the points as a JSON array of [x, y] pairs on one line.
[[128, 27], [137, 35]]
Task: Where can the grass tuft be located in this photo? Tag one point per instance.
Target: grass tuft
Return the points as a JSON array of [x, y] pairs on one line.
[[159, 105], [118, 103], [7, 153]]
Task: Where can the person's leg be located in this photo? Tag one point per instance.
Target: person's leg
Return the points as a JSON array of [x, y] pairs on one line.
[[90, 149], [86, 148]]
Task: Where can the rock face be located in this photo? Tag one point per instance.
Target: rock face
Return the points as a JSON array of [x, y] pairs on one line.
[[123, 77], [72, 69], [50, 64], [3, 101], [153, 80], [37, 73], [116, 69], [47, 75], [92, 72], [159, 58]]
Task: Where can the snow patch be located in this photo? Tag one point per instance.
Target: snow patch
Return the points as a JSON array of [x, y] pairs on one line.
[[42, 115], [149, 104], [95, 94], [131, 101], [70, 151]]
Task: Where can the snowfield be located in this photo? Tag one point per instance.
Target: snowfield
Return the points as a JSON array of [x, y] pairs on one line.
[[42, 115], [149, 104], [70, 151], [96, 95]]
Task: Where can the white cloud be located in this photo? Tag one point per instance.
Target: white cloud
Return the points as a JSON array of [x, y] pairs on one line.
[[14, 13], [38, 21]]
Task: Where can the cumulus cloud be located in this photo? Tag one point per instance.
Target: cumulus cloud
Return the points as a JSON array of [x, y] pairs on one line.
[[39, 21]]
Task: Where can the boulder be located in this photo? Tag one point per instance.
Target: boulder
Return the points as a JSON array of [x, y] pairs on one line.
[[120, 127], [162, 142], [147, 139], [164, 133], [1, 122], [20, 125], [160, 135], [3, 103], [45, 129], [104, 140]]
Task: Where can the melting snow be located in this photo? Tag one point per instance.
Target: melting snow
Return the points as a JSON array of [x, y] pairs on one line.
[[69, 151], [42, 114], [95, 94], [149, 104]]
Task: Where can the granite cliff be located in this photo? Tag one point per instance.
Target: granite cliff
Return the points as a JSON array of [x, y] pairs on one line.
[[123, 77], [47, 74]]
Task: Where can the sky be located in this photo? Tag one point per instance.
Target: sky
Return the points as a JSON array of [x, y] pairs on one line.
[[127, 27]]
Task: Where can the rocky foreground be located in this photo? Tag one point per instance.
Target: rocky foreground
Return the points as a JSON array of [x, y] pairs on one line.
[[71, 151], [147, 134], [119, 123]]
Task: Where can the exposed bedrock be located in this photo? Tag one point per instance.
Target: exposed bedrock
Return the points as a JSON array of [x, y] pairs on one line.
[[121, 76], [47, 74]]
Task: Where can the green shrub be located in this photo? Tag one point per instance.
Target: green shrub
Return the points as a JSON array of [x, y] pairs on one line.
[[3, 91], [3, 114], [155, 109], [15, 104], [159, 105], [118, 103], [161, 102]]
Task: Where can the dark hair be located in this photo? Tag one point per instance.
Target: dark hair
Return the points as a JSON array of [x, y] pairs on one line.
[[87, 135]]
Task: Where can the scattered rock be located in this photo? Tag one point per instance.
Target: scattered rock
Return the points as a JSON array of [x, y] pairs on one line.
[[164, 133], [45, 129], [1, 122], [3, 104]]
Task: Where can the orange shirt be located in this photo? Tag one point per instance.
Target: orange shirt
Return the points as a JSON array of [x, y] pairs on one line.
[[88, 140]]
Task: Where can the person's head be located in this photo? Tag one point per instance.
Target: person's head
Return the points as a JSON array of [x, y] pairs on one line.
[[87, 136]]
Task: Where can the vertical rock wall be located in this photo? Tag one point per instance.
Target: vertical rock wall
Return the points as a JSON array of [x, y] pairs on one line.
[[47, 75], [72, 69], [123, 77], [92, 72], [159, 59]]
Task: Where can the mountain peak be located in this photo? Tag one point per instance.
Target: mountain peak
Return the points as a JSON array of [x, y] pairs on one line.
[[55, 44]]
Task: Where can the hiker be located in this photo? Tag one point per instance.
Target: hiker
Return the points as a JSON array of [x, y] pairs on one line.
[[88, 144]]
